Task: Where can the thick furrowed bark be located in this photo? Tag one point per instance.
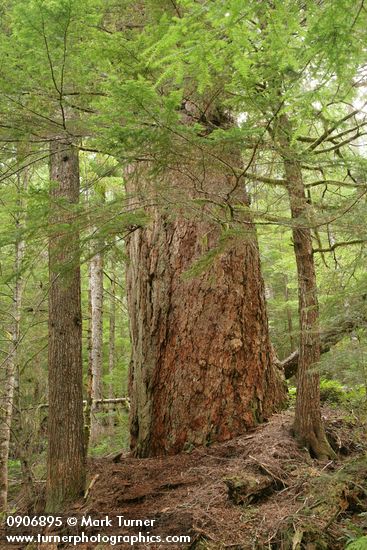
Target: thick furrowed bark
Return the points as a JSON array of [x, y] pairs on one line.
[[202, 364]]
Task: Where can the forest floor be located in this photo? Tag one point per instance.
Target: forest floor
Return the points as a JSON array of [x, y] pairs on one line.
[[258, 491]]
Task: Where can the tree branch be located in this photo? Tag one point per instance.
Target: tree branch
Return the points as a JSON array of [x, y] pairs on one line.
[[264, 179], [337, 183], [101, 402], [327, 133], [341, 144], [336, 245]]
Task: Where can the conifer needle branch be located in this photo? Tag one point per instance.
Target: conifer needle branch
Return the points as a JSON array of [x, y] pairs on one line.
[[328, 132], [337, 245]]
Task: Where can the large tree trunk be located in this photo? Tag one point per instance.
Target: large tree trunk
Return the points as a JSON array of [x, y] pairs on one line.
[[66, 460], [202, 365], [308, 425]]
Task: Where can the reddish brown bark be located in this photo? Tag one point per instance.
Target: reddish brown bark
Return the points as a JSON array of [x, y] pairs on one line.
[[308, 424], [201, 368], [65, 462]]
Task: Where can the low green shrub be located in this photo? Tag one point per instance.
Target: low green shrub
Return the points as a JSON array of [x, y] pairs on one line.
[[332, 392], [292, 392], [358, 544], [356, 397]]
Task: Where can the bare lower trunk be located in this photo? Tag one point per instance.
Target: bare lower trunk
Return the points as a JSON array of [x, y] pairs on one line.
[[96, 289], [66, 460], [308, 424], [96, 353], [89, 401], [112, 337], [201, 368], [289, 315], [7, 397], [112, 332]]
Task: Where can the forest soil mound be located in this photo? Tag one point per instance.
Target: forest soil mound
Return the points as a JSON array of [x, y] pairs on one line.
[[254, 492]]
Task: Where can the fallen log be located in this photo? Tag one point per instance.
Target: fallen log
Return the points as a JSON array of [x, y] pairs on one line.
[[99, 402], [328, 339]]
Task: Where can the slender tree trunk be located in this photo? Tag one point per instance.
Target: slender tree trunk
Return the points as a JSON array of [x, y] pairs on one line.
[[308, 424], [112, 331], [96, 295], [89, 388], [89, 400], [201, 368], [66, 459], [112, 336], [96, 291], [95, 336], [11, 362]]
